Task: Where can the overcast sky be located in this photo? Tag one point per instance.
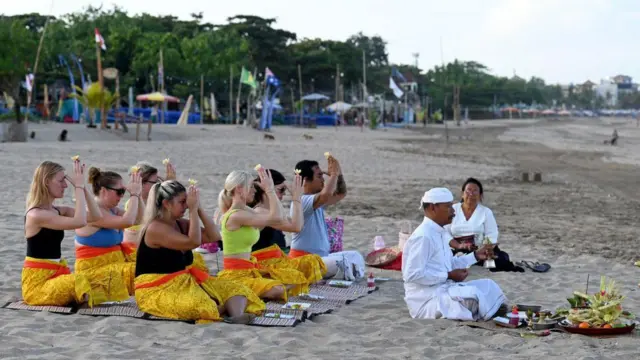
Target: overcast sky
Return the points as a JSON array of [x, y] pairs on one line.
[[565, 41]]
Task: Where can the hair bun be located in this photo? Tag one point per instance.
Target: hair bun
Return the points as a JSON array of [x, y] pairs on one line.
[[94, 174]]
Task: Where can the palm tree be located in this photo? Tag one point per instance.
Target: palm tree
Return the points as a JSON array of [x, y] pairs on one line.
[[95, 97]]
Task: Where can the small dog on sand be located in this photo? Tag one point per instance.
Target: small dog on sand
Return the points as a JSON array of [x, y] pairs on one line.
[[269, 137], [307, 136]]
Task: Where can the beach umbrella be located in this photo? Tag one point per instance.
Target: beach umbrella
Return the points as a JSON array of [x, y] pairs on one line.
[[157, 97], [339, 106], [315, 97]]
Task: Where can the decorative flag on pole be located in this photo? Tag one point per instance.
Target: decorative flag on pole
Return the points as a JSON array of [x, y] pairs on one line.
[[396, 73], [247, 78], [100, 40], [28, 83], [271, 78], [396, 90]]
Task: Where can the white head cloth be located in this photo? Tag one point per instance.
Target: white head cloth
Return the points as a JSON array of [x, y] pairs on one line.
[[437, 196]]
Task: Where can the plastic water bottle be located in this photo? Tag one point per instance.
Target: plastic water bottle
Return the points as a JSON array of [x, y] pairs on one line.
[[378, 243], [405, 227]]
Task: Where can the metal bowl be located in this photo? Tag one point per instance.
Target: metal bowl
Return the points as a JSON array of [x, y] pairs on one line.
[[547, 324]]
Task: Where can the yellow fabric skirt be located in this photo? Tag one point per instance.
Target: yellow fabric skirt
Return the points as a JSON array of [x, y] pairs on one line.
[[190, 295], [46, 282], [262, 279], [312, 266], [110, 270]]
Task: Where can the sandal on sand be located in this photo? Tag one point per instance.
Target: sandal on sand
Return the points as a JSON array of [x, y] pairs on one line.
[[243, 319], [536, 266]]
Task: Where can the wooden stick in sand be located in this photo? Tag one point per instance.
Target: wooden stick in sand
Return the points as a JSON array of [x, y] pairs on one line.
[[35, 68]]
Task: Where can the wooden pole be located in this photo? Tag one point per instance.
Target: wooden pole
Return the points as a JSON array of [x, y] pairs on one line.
[[238, 103], [103, 119], [117, 91], [35, 70], [138, 127], [364, 83], [201, 98], [300, 89], [162, 87], [230, 94]]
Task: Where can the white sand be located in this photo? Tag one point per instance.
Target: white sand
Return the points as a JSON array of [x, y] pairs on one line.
[[582, 220]]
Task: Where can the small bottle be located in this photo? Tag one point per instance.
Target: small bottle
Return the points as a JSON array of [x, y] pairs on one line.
[[514, 317], [378, 243], [371, 281]]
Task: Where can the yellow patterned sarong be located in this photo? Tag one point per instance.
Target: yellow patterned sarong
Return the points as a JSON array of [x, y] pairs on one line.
[[310, 265], [110, 270], [46, 282], [190, 294], [262, 279]]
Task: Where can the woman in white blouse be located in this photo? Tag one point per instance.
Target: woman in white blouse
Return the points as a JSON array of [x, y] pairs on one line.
[[473, 222]]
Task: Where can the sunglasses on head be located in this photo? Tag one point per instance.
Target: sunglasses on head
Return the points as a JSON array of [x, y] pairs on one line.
[[119, 192]]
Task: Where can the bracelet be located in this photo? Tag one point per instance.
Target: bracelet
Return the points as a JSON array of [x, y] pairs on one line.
[[134, 195], [79, 187]]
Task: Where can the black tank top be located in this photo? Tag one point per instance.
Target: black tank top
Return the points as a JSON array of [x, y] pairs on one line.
[[270, 236], [46, 243], [161, 260]]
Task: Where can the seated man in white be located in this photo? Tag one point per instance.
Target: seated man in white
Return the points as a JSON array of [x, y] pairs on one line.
[[313, 237], [434, 279]]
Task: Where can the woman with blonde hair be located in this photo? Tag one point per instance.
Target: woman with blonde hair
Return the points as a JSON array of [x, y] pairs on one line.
[[269, 250], [240, 229], [46, 279], [100, 253], [167, 283], [149, 177]]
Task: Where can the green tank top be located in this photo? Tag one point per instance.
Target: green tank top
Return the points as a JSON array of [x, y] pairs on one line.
[[237, 241]]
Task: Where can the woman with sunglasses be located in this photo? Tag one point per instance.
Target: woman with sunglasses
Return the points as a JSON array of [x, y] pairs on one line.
[[149, 176], [100, 253], [269, 250]]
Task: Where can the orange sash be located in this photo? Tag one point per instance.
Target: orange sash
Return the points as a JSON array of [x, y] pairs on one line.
[[267, 253], [198, 274], [87, 252], [239, 264], [294, 253], [60, 269]]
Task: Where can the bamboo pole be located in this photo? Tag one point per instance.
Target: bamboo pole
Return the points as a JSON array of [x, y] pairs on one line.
[[300, 90], [238, 102], [35, 69], [162, 88], [201, 98], [103, 119]]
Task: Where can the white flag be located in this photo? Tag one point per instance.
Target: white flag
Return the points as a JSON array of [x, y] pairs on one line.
[[396, 90], [28, 83]]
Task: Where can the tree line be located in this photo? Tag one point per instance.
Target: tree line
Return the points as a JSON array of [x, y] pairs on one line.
[[194, 48]]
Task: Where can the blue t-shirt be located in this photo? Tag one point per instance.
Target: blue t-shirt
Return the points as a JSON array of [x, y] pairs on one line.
[[313, 238]]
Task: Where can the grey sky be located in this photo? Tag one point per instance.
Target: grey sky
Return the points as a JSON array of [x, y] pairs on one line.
[[559, 40]]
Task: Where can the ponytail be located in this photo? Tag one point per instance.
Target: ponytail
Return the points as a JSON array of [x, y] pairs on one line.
[[224, 201]]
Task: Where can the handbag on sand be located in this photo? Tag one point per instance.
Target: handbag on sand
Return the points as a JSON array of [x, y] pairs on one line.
[[335, 229]]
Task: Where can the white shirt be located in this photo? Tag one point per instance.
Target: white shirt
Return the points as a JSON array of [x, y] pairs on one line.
[[426, 262], [482, 222]]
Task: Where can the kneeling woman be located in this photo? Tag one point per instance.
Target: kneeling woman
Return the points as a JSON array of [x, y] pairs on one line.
[[269, 248], [100, 253], [167, 284], [46, 279], [240, 229]]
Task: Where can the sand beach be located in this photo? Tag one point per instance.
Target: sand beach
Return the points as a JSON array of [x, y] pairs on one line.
[[581, 219]]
